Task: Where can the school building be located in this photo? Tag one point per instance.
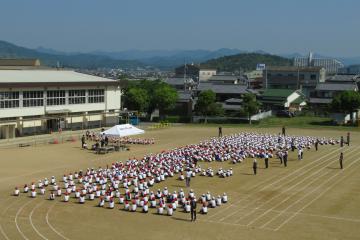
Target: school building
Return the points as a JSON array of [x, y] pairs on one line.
[[42, 100]]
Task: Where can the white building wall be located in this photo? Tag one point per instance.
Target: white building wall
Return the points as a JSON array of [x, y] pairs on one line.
[[113, 98], [112, 102]]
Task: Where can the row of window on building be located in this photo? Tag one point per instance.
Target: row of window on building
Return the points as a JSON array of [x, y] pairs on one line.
[[53, 98]]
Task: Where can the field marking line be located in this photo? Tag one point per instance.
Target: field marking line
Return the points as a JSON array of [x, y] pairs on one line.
[[304, 196], [31, 222], [287, 182], [49, 224], [2, 213], [321, 194], [292, 194], [270, 184], [16, 222]]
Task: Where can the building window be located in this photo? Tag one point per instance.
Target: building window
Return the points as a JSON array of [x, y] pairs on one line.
[[77, 96], [96, 96], [55, 98], [33, 98], [313, 77], [9, 99], [302, 76]]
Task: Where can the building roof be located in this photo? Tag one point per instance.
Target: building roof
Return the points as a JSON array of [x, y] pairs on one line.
[[223, 88], [293, 69], [343, 78], [234, 100], [336, 87], [19, 62], [278, 93], [231, 107], [184, 96], [299, 100], [49, 77], [321, 100], [178, 81], [231, 78]]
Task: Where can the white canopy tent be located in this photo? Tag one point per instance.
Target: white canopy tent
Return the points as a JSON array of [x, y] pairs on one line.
[[123, 130]]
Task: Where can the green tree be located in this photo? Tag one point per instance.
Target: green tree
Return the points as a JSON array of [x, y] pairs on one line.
[[206, 105], [346, 102], [137, 99], [250, 105], [165, 98]]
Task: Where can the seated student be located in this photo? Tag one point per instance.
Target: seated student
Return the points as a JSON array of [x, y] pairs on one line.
[[224, 198], [40, 184], [32, 187], [26, 188], [52, 196], [82, 199], [52, 180], [42, 190], [126, 206], [58, 192], [145, 207], [33, 193], [111, 203], [169, 210], [160, 209], [152, 202], [16, 191], [181, 177], [187, 207], [213, 202], [208, 196], [91, 196], [204, 209], [133, 206], [121, 199], [218, 201], [66, 197], [101, 202]]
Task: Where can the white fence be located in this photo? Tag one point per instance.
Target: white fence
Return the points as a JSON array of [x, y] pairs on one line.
[[261, 115]]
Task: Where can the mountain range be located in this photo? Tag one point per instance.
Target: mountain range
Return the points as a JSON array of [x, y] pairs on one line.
[[131, 59]]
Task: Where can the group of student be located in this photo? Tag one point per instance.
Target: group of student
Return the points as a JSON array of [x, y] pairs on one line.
[[137, 176]]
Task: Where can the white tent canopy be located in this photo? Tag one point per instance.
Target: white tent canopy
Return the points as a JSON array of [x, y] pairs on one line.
[[123, 130]]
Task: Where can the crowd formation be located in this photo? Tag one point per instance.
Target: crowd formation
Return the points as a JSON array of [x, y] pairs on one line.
[[137, 176]]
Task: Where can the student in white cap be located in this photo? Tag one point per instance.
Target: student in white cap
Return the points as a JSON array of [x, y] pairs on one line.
[[224, 198], [111, 203], [16, 191], [101, 202], [33, 193]]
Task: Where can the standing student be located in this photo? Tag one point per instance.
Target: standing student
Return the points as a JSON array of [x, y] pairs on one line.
[[266, 160], [348, 138], [193, 209], [220, 131], [341, 141], [188, 177], [316, 144], [255, 166], [283, 130], [341, 159], [82, 141], [285, 158]]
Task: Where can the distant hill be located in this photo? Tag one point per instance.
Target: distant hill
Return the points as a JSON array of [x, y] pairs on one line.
[[169, 59], [246, 61], [89, 61]]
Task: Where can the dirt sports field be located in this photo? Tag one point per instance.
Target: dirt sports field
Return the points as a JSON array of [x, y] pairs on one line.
[[310, 199]]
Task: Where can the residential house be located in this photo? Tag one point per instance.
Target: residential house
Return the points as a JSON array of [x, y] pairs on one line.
[[282, 99]]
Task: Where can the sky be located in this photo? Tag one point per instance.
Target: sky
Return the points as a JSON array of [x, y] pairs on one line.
[[328, 27]]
